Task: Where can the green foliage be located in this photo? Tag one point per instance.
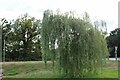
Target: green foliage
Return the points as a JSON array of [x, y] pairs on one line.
[[74, 46], [77, 47], [114, 40], [22, 41]]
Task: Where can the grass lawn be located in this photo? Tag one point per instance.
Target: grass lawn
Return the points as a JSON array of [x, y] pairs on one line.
[[36, 69]]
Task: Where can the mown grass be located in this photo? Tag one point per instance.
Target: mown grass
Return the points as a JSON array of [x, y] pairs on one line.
[[45, 75], [108, 73], [14, 69], [38, 70]]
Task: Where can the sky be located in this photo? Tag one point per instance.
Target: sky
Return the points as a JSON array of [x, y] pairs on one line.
[[106, 10]]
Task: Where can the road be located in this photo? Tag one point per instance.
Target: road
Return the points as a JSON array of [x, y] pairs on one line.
[[114, 59]]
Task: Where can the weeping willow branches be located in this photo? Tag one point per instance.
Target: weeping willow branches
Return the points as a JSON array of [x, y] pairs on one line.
[[72, 44]]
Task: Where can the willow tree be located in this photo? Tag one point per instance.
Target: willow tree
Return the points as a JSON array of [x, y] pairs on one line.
[[45, 32], [77, 48]]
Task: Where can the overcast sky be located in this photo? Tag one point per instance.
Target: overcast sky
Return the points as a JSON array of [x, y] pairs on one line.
[[98, 9]]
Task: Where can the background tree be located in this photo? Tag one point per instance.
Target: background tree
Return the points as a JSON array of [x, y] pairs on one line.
[[114, 40], [22, 39], [5, 30]]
